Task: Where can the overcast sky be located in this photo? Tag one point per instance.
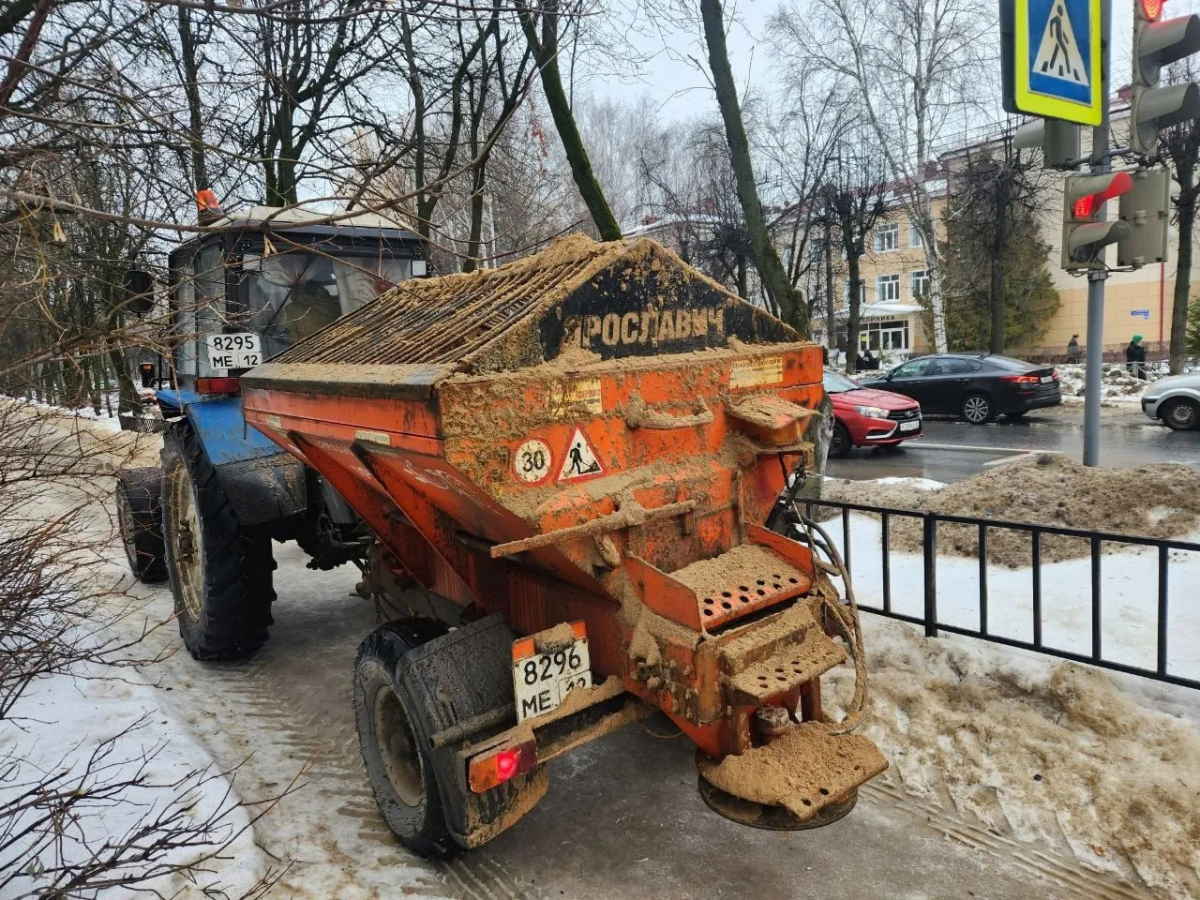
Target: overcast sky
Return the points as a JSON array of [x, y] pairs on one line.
[[682, 91]]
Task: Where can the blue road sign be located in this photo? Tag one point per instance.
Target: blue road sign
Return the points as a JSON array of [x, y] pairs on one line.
[[1057, 59]]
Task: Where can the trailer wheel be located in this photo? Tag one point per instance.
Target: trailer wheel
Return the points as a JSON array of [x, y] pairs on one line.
[[394, 748], [220, 573], [139, 518]]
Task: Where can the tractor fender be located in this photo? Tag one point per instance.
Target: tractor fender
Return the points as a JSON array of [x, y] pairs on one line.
[[263, 483]]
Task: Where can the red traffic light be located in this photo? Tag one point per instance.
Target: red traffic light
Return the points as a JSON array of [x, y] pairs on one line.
[[1120, 183], [1152, 9]]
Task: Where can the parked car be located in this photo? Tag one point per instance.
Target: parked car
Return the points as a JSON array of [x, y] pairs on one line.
[[1175, 400], [868, 418], [975, 386]]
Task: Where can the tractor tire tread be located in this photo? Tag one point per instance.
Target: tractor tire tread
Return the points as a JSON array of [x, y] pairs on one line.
[[142, 489], [238, 565]]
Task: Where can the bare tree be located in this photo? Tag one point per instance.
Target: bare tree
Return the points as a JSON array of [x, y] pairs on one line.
[[854, 197], [770, 269], [493, 94], [544, 23], [916, 68]]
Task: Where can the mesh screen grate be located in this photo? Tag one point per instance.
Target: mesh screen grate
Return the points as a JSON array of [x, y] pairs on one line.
[[438, 320]]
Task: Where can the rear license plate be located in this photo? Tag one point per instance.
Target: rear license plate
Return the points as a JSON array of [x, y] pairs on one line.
[[910, 426], [1046, 379], [541, 681], [233, 351]]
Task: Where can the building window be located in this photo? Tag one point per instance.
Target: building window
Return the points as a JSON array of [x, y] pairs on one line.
[[887, 237], [862, 291], [879, 335], [914, 236], [918, 283], [887, 288]]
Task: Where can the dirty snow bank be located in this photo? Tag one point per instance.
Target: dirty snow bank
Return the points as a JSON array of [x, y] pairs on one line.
[[1118, 388], [1045, 752], [1046, 489], [104, 734]]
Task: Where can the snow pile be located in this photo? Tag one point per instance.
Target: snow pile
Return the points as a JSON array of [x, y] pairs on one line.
[[1048, 753], [1118, 387], [1156, 501]]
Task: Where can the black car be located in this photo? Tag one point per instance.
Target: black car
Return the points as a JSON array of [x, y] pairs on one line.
[[976, 386]]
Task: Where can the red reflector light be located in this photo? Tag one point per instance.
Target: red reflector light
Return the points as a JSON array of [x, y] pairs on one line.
[[1086, 207], [506, 763], [1022, 379], [217, 386], [496, 767], [1152, 9]]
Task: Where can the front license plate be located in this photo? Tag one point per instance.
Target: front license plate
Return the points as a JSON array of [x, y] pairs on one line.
[[234, 351], [910, 426], [1046, 379], [541, 681]]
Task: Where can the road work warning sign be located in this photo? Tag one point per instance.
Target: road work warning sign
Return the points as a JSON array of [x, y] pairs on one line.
[[580, 459], [1052, 59]]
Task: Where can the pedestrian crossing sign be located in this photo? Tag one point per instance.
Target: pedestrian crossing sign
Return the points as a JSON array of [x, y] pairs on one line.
[[1057, 60]]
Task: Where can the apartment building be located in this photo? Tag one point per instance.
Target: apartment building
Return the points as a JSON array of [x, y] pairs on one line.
[[1137, 302]]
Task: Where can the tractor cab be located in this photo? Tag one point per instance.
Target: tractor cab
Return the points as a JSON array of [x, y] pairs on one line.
[[272, 277], [262, 280]]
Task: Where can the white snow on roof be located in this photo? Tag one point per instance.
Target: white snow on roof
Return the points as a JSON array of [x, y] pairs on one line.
[[300, 216]]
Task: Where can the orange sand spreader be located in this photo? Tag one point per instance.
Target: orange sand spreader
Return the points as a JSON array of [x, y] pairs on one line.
[[594, 438]]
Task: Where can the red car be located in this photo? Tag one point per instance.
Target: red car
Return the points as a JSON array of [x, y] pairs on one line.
[[867, 417]]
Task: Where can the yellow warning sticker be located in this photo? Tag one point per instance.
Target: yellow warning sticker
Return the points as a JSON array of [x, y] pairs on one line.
[[580, 393], [755, 372]]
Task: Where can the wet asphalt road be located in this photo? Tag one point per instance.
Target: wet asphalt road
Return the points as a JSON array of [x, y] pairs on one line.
[[951, 451]]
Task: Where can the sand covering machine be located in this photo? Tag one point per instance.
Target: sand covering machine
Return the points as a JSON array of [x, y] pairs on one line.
[[570, 464]]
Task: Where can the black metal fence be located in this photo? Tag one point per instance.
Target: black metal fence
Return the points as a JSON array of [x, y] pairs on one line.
[[929, 553]]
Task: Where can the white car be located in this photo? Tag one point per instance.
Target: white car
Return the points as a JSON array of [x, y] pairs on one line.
[[1175, 400]]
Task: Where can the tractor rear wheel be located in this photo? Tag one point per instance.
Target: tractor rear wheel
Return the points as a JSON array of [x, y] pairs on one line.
[[394, 748], [139, 517], [220, 574]]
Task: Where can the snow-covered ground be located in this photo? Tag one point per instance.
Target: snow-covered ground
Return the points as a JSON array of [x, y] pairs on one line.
[[1069, 761], [97, 728], [1129, 597], [1043, 750]]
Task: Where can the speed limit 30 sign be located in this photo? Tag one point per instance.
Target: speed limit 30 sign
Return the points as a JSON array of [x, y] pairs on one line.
[[532, 461]]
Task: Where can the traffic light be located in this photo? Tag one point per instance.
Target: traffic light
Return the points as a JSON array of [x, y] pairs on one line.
[[1085, 233], [1157, 42], [1146, 207]]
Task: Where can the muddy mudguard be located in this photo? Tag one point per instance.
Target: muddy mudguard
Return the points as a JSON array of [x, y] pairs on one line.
[[263, 483], [462, 675]]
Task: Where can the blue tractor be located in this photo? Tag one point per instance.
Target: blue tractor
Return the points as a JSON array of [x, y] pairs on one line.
[[205, 519]]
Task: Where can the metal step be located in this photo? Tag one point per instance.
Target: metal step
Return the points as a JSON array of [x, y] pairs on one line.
[[788, 668], [743, 580], [803, 770]]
